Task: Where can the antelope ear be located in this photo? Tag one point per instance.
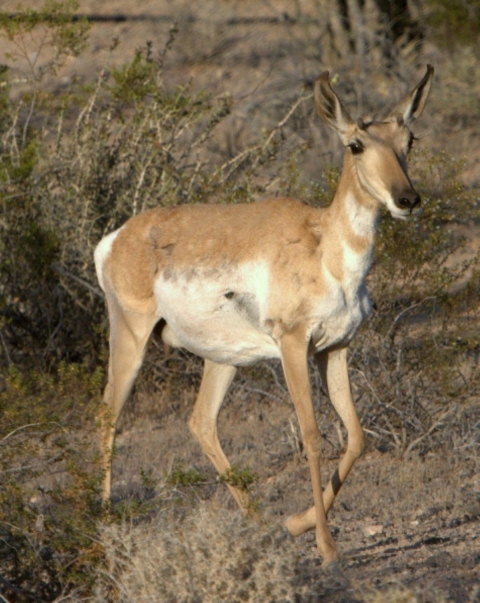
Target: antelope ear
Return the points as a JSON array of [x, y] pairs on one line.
[[330, 107], [411, 106]]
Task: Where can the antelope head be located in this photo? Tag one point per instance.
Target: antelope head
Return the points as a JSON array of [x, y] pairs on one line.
[[377, 150]]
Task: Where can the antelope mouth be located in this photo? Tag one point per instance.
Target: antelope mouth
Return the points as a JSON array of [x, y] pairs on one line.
[[408, 214], [405, 206]]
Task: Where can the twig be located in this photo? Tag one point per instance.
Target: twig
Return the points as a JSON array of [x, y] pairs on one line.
[[259, 148], [17, 591], [140, 182], [20, 429], [87, 110], [398, 318], [4, 345], [255, 390], [275, 376], [425, 435], [11, 587], [29, 118], [33, 465], [59, 325], [394, 434], [370, 387], [281, 123], [77, 279]]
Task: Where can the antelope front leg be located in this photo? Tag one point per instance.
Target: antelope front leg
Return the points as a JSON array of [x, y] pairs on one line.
[[295, 365], [334, 373]]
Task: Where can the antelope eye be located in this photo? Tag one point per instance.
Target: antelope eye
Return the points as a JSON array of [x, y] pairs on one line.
[[356, 148]]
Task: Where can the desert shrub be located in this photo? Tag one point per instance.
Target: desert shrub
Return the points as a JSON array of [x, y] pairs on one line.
[[49, 499], [211, 555], [453, 21], [179, 476], [54, 32], [75, 166]]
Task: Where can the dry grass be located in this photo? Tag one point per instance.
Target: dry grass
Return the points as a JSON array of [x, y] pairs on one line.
[[402, 595], [210, 555], [206, 554], [425, 508]]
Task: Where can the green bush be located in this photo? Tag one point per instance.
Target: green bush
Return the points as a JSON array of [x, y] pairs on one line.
[[454, 21]]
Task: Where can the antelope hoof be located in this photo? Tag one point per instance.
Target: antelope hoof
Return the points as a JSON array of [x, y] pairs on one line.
[[335, 573], [300, 523], [331, 562]]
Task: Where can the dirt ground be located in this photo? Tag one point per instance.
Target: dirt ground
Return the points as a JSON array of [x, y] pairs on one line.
[[399, 523], [412, 522]]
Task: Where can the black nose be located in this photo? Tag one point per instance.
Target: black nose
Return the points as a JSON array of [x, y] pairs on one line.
[[409, 201]]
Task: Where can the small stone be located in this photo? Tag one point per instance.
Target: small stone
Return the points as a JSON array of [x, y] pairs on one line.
[[373, 530]]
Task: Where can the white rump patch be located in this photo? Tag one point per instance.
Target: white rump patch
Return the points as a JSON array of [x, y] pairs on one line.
[[101, 253]]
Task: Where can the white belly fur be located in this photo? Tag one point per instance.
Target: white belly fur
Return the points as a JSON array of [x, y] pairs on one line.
[[204, 317]]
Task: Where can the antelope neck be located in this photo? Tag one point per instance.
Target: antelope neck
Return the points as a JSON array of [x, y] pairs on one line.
[[353, 217]]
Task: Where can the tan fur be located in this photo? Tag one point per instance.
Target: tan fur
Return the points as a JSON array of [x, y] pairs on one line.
[[206, 239], [275, 279]]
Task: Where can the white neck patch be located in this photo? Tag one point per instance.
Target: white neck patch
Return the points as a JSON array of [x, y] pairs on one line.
[[363, 220]]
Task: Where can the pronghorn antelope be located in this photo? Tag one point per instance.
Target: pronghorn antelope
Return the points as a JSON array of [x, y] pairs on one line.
[[276, 279]]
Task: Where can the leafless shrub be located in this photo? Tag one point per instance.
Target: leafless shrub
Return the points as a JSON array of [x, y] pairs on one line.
[[211, 555]]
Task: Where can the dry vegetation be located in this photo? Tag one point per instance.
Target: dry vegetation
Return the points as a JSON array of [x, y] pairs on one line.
[[218, 108]]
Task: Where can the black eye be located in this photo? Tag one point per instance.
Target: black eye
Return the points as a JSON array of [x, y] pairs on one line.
[[356, 148]]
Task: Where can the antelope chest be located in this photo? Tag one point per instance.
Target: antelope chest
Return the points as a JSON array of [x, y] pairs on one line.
[[339, 316], [344, 304]]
